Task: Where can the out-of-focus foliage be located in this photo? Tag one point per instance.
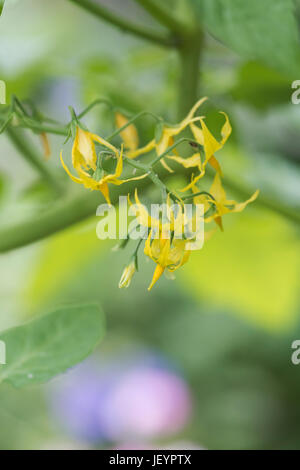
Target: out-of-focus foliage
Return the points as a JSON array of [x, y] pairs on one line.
[[47, 346], [242, 270], [242, 25], [228, 321]]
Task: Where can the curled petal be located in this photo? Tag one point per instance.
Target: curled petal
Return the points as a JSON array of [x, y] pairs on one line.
[[73, 178], [129, 134], [141, 151], [190, 162], [157, 274]]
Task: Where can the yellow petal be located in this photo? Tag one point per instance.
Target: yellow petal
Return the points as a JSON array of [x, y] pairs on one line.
[[197, 133], [84, 148], [104, 142], [157, 274], [46, 145], [215, 164], [219, 222], [195, 108], [166, 166], [194, 160], [226, 129], [143, 215], [147, 248], [129, 135], [135, 178], [73, 178], [241, 206], [164, 245], [193, 181], [105, 191], [119, 167], [211, 145], [217, 190], [141, 151], [164, 142]]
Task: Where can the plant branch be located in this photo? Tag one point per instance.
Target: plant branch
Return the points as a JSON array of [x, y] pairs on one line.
[[122, 23], [24, 147], [64, 213], [189, 61], [162, 15]]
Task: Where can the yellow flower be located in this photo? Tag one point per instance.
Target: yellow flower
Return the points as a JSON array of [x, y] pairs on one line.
[[210, 145], [166, 254], [129, 134], [167, 136], [127, 275], [222, 204], [173, 222], [84, 160]]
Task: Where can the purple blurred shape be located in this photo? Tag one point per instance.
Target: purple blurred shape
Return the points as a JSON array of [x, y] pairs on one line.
[[134, 397]]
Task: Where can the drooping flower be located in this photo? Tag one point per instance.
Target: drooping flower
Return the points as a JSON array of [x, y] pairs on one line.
[[222, 204], [210, 146], [170, 219], [166, 254], [129, 134], [89, 167], [166, 139], [127, 275]]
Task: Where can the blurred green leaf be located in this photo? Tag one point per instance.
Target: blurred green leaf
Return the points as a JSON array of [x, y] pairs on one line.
[[245, 269], [258, 29], [261, 87], [62, 257], [49, 345], [2, 186]]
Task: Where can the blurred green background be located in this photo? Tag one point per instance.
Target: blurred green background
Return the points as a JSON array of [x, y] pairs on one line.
[[226, 324]]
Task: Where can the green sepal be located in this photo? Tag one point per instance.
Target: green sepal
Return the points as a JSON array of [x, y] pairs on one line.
[[159, 128]]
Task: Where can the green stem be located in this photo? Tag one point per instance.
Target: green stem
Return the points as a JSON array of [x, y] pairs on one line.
[[140, 31], [39, 127], [131, 121], [66, 212], [162, 15], [93, 104], [151, 174], [189, 57], [80, 206], [25, 148]]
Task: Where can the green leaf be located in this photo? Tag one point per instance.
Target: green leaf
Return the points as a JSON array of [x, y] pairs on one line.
[[1, 6], [57, 267], [242, 269], [51, 344], [265, 30], [261, 87]]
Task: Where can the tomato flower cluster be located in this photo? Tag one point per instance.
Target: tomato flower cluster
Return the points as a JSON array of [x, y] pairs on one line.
[[99, 171]]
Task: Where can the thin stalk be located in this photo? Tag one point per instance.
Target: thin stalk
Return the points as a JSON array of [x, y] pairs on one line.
[[162, 15], [141, 31], [189, 60], [131, 121], [39, 127]]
